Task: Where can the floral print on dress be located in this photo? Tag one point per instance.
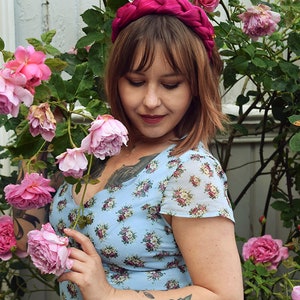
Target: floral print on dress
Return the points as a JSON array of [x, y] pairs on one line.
[[109, 252], [155, 275], [61, 225], [152, 241], [119, 275], [101, 231], [212, 191], [108, 204], [152, 167], [72, 290], [125, 213], [207, 169], [127, 235], [61, 204], [134, 261], [142, 188], [179, 171], [89, 203], [153, 212], [127, 227], [198, 211], [173, 163], [172, 284], [195, 180], [182, 197]]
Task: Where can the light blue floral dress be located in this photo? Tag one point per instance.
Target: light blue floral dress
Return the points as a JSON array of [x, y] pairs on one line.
[[135, 242]]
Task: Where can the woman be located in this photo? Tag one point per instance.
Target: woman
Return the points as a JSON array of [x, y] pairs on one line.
[[161, 225]]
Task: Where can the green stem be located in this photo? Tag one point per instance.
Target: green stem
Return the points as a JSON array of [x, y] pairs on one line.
[[86, 182], [34, 156]]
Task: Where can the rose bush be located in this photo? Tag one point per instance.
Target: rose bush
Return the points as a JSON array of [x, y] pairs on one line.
[[50, 117]]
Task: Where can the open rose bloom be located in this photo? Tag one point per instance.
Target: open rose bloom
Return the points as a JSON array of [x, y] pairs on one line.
[[31, 64], [207, 5], [7, 239], [13, 93], [265, 250], [73, 162], [48, 251], [42, 121], [105, 138], [259, 21], [33, 192]]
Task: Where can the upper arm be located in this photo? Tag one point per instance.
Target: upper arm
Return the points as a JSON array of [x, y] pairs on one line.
[[209, 249], [26, 220]]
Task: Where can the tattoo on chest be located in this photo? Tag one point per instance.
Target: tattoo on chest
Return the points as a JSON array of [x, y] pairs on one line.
[[127, 172]]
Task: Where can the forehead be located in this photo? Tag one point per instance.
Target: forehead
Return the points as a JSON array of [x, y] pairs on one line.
[[145, 56]]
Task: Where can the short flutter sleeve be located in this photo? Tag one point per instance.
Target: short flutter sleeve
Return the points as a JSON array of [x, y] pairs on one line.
[[197, 188]]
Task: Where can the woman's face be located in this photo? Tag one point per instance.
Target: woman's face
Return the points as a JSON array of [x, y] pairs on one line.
[[156, 99]]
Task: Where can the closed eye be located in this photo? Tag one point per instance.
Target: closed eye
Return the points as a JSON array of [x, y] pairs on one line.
[[170, 86], [136, 83]]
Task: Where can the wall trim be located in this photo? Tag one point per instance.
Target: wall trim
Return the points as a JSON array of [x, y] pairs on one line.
[[7, 24]]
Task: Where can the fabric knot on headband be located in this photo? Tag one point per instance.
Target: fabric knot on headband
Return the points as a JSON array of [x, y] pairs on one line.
[[191, 15]]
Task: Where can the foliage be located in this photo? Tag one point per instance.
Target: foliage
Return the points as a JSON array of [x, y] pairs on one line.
[[266, 72]]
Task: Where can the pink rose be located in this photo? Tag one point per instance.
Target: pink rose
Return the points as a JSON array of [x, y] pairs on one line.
[[33, 192], [105, 138], [296, 293], [7, 239], [48, 251], [259, 21], [207, 5], [42, 121], [12, 92], [265, 249], [73, 162], [30, 63]]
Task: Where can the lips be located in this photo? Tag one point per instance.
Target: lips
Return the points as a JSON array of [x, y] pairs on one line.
[[152, 119]]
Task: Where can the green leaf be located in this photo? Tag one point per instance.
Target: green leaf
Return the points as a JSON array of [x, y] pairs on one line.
[[2, 45], [115, 4], [93, 17], [280, 205], [295, 119], [259, 62], [48, 36], [240, 128], [51, 50], [241, 100], [229, 77], [97, 58], [57, 86], [56, 64], [89, 39], [295, 142], [294, 42], [289, 69], [35, 42]]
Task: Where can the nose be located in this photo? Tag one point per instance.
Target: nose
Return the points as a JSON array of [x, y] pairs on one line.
[[151, 98]]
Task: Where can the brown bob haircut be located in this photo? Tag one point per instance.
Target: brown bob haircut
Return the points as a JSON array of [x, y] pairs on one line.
[[186, 54]]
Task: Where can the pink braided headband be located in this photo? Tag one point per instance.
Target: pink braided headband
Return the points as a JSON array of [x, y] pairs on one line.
[[191, 15]]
